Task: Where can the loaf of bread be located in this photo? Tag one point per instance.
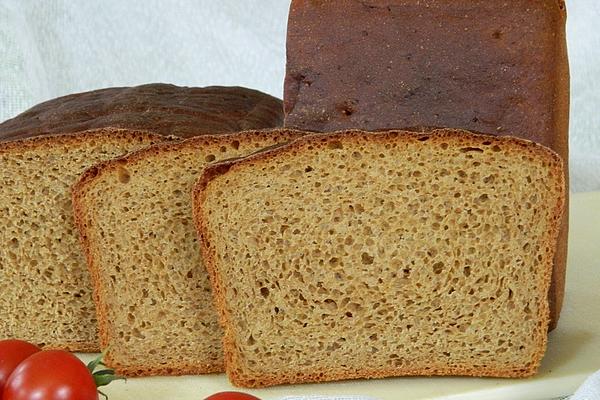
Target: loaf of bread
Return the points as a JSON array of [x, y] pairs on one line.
[[150, 286], [365, 255], [160, 108], [45, 285], [496, 67]]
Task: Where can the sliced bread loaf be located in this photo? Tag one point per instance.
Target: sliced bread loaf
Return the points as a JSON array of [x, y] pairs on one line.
[[365, 255], [46, 292], [151, 289]]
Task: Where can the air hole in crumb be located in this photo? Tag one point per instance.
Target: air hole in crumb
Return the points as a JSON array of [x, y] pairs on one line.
[[467, 272], [348, 314], [444, 146], [235, 144], [471, 149], [210, 158], [366, 258], [308, 169], [423, 138], [331, 304], [496, 148], [438, 267], [497, 34], [335, 145], [264, 292], [123, 175]]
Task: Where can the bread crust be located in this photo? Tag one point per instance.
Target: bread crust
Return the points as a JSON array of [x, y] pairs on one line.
[[157, 107], [83, 221], [32, 143], [235, 368]]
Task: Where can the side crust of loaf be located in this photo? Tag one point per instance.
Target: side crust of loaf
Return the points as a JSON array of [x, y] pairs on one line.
[[43, 144], [85, 221], [235, 367]]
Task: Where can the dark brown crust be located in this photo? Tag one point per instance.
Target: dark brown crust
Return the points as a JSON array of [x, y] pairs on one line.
[[494, 67], [76, 139], [233, 368], [83, 221], [159, 108]]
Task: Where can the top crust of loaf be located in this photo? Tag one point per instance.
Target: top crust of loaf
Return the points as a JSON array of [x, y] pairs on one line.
[[434, 135], [106, 167], [312, 143], [91, 135], [160, 108]]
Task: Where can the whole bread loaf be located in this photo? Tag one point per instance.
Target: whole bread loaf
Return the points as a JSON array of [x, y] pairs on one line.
[[496, 67], [157, 107], [151, 289], [45, 285], [365, 255]]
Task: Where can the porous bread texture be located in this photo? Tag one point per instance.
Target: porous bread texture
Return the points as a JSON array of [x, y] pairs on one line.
[[152, 292], [365, 255], [46, 292]]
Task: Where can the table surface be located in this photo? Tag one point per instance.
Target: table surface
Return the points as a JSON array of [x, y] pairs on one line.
[[573, 348]]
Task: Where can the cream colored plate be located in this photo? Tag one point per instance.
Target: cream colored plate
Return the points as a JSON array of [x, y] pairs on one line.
[[573, 349]]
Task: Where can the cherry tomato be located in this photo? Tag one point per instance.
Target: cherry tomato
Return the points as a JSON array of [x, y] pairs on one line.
[[12, 353], [231, 396], [51, 375]]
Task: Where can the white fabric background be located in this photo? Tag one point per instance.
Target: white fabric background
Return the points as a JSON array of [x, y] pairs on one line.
[[56, 47]]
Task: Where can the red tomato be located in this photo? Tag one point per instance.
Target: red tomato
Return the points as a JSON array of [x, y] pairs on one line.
[[12, 352], [231, 396], [51, 375]]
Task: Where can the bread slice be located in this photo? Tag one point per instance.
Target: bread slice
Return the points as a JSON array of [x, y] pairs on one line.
[[365, 255], [152, 293], [46, 293]]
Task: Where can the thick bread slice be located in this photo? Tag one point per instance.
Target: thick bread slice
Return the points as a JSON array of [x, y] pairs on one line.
[[156, 107], [365, 255], [46, 293], [152, 293]]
